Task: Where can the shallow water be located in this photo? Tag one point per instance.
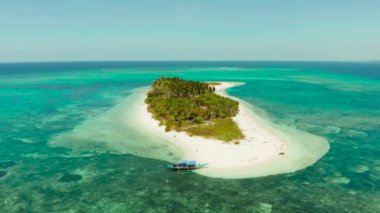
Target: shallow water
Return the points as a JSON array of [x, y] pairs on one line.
[[98, 170]]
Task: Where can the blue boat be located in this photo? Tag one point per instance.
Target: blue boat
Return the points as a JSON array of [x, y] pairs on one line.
[[186, 165]]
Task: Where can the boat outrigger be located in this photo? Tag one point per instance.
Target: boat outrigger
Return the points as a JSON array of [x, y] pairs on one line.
[[186, 165]]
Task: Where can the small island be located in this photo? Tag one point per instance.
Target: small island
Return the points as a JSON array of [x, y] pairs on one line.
[[195, 108], [201, 121]]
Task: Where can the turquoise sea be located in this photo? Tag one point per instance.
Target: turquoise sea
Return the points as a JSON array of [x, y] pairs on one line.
[[42, 101]]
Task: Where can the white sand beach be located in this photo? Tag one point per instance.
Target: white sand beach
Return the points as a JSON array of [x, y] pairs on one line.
[[267, 149]]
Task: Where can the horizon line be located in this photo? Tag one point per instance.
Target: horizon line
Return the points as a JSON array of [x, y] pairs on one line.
[[215, 60]]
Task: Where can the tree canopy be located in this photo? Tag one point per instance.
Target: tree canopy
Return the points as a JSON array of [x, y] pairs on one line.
[[178, 103]]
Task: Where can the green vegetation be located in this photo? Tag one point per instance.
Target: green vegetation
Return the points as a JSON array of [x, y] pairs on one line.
[[193, 107], [221, 129]]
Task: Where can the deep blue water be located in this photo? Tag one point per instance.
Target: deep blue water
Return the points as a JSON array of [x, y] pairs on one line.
[[366, 69]]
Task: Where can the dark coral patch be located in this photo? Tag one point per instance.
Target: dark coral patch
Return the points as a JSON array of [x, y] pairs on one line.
[[2, 173], [7, 164], [70, 178]]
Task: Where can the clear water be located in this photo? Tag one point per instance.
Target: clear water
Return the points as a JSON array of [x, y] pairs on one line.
[[40, 102]]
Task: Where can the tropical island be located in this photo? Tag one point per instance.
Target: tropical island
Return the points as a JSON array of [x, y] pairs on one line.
[[195, 108], [201, 121]]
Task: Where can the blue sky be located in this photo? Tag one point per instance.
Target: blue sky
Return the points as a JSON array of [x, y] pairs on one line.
[[75, 30]]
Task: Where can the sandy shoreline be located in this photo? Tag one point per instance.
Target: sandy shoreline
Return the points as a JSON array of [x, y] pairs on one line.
[[256, 155]]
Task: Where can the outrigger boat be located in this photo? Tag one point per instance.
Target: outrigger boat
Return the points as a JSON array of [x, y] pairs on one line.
[[186, 165]]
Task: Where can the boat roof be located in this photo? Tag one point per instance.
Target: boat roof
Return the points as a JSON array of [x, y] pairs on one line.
[[191, 162], [187, 162], [182, 162]]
